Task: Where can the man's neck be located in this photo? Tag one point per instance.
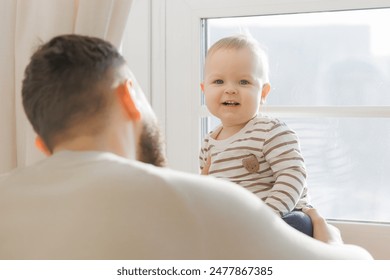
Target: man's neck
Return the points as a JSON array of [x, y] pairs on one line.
[[104, 143]]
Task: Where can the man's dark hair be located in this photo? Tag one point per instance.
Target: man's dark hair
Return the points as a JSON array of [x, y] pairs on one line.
[[67, 81]]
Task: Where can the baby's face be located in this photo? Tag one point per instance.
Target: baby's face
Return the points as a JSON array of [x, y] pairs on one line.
[[232, 86]]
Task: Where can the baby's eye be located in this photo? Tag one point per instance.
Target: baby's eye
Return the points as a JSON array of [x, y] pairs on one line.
[[218, 82], [244, 82]]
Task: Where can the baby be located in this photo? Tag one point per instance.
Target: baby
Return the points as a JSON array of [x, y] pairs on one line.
[[255, 151]]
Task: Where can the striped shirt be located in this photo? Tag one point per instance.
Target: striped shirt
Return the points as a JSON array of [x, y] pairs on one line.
[[263, 157]]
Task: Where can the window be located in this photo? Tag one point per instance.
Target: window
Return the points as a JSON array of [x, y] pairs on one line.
[[330, 78]]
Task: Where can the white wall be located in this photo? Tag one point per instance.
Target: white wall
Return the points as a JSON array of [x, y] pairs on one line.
[[373, 237]]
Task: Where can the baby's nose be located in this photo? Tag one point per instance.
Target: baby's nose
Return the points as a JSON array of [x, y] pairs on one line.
[[230, 90]]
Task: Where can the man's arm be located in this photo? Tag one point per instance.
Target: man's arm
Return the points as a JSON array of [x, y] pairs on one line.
[[323, 231]]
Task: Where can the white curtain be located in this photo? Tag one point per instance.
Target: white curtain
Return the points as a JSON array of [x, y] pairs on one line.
[[24, 25]]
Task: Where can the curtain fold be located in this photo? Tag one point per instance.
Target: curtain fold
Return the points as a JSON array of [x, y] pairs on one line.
[[7, 86], [26, 24], [112, 16]]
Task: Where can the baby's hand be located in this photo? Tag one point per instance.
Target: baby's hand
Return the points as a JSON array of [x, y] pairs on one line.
[[206, 167]]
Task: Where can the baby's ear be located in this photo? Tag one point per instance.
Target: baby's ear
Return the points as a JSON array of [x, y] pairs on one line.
[[264, 92], [202, 86], [40, 144]]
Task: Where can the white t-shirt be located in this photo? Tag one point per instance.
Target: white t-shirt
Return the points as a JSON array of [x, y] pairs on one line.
[[94, 205]]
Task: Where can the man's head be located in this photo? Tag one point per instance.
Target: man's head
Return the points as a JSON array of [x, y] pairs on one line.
[[69, 79], [72, 87]]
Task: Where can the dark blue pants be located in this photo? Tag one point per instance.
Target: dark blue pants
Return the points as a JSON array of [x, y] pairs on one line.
[[300, 221]]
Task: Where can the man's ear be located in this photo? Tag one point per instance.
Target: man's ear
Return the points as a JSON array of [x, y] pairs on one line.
[[126, 100], [264, 92], [40, 144]]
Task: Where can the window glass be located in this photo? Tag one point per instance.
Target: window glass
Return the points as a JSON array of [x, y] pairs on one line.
[[327, 58], [347, 161], [330, 59]]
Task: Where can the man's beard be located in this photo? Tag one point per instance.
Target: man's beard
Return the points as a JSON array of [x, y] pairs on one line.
[[151, 148]]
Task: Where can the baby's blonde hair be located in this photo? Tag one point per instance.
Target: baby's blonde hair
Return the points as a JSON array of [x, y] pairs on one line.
[[241, 41]]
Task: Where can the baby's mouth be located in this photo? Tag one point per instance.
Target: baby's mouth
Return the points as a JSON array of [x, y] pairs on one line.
[[230, 103]]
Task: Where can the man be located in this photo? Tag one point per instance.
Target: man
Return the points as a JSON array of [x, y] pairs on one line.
[[92, 199]]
